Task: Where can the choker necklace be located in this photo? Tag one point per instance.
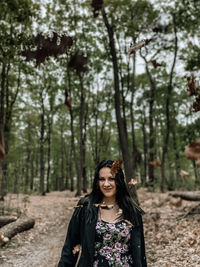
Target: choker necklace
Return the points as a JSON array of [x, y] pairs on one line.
[[103, 205]]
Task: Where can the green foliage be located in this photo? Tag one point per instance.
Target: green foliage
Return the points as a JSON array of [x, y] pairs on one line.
[[131, 21], [193, 60]]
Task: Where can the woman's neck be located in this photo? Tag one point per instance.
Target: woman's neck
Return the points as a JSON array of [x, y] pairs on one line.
[[109, 201]]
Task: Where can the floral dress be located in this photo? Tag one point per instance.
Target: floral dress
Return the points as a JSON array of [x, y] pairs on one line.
[[112, 244]]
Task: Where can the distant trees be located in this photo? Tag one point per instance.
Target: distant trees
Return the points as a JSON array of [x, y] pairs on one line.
[[16, 19], [63, 115]]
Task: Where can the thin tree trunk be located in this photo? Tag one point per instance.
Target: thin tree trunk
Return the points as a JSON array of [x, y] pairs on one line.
[[77, 167], [7, 100], [32, 174], [42, 127], [167, 108], [135, 151], [151, 125], [16, 179], [123, 138], [84, 173], [28, 156], [144, 147], [71, 169], [177, 159], [61, 187], [81, 141], [197, 181], [49, 121], [3, 77]]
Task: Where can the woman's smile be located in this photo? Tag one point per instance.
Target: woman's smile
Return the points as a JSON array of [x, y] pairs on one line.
[[107, 183]]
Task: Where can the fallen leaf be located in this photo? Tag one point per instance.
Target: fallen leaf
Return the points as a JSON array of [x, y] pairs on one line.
[[116, 166], [160, 28], [184, 174], [155, 163], [47, 47], [96, 5], [155, 64], [76, 249], [133, 181], [138, 46], [193, 150], [78, 62], [192, 87]]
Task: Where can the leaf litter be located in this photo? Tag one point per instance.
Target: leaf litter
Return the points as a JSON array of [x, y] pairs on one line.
[[172, 238]]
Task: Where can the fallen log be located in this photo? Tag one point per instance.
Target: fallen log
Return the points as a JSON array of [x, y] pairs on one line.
[[7, 219], [11, 229], [192, 196], [194, 210]]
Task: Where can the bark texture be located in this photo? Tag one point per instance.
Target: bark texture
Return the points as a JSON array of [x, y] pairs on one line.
[[7, 219], [193, 196], [11, 229]]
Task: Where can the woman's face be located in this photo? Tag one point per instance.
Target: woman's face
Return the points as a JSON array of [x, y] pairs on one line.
[[107, 183]]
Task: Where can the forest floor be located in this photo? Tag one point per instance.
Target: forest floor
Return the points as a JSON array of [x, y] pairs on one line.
[[172, 239]]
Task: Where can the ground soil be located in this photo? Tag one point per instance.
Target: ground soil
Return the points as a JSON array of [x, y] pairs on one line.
[[172, 238]]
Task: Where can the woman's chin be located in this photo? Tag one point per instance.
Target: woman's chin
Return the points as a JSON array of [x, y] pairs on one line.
[[108, 194]]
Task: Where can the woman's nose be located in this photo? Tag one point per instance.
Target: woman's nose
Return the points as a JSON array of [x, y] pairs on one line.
[[106, 182]]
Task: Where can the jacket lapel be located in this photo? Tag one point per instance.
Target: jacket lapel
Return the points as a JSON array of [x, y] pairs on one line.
[[90, 236]]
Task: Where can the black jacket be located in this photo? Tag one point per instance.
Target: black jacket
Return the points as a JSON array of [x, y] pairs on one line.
[[80, 232]]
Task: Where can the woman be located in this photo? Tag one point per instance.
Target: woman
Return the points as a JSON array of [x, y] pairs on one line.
[[106, 224]]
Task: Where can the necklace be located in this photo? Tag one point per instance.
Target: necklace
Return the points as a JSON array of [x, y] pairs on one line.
[[107, 206], [110, 212]]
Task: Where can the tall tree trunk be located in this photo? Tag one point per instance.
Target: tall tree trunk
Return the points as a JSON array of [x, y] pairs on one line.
[[167, 108], [3, 77], [177, 158], [96, 140], [27, 170], [16, 180], [49, 123], [197, 180], [28, 158], [7, 100], [67, 164], [71, 169], [77, 167], [32, 174], [123, 138], [84, 172], [135, 151], [151, 125], [62, 178], [144, 147], [80, 181], [42, 128]]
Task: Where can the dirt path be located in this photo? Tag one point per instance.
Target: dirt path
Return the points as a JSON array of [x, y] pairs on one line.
[[172, 240], [43, 253], [40, 246]]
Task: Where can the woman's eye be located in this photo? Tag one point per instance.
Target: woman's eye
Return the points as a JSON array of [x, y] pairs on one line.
[[110, 180]]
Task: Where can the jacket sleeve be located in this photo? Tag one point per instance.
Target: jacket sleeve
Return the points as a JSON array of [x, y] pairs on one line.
[[138, 245], [68, 259], [143, 254]]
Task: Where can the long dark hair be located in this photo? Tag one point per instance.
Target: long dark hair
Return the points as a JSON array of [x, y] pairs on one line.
[[130, 209]]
